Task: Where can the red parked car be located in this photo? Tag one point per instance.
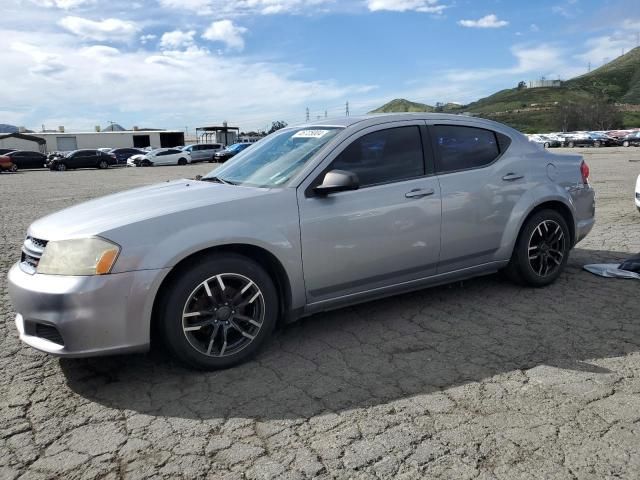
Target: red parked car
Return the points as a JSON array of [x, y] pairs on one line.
[[6, 165]]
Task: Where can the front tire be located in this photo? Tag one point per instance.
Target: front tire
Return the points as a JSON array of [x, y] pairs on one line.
[[547, 145], [218, 312], [541, 251], [103, 165], [625, 143], [61, 167], [571, 144], [182, 161]]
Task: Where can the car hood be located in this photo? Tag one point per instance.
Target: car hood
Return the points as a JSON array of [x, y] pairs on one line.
[[113, 211]]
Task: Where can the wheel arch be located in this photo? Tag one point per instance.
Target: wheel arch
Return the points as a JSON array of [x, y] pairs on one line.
[[263, 257], [559, 207]]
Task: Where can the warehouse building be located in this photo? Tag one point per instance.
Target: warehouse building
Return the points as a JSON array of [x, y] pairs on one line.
[[21, 141], [62, 141]]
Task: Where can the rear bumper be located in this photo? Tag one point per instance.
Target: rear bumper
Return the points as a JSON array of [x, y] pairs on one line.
[[84, 316]]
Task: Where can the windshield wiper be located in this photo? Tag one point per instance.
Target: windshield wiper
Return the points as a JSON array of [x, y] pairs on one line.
[[217, 180]]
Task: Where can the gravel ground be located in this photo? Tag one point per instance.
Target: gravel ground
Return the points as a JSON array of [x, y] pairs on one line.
[[475, 380]]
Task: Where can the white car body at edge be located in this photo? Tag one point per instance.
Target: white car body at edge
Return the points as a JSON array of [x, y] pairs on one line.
[[638, 193], [163, 156]]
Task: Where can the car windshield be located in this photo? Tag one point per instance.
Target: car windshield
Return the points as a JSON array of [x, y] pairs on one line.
[[276, 159]]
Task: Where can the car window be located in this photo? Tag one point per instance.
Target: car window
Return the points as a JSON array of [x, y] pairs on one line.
[[172, 152], [384, 156], [463, 148]]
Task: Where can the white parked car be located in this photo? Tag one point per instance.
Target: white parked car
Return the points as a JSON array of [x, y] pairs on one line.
[[638, 193], [160, 156]]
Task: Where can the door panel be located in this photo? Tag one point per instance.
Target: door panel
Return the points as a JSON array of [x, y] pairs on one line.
[[380, 235], [369, 238], [476, 205]]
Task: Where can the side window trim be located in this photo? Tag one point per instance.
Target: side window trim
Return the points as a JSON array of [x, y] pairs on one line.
[[436, 151], [422, 133]]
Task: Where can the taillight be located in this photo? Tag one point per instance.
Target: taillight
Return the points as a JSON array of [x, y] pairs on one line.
[[584, 171]]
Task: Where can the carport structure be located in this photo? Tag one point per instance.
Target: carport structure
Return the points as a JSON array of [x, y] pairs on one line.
[[214, 134], [21, 141]]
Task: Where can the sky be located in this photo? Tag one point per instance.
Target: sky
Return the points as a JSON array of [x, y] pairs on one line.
[[180, 64]]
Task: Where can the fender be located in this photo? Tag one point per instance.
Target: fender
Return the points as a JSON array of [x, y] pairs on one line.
[[542, 193]]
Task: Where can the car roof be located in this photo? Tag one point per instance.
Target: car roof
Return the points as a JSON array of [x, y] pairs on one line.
[[379, 118]]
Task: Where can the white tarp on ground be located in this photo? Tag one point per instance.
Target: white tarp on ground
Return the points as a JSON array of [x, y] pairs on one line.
[[611, 270]]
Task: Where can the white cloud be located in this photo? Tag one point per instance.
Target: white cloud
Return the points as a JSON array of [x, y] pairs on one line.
[[605, 48], [488, 21], [110, 29], [144, 39], [227, 32], [64, 4], [426, 6], [534, 28], [177, 39], [225, 8], [142, 88]]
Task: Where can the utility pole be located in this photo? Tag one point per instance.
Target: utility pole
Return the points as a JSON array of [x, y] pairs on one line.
[[325, 114], [589, 68], [347, 109], [307, 114]]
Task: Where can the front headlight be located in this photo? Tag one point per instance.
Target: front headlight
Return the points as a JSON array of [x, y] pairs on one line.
[[83, 256]]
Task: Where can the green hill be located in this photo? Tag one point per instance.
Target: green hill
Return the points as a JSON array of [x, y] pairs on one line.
[[400, 105], [535, 109]]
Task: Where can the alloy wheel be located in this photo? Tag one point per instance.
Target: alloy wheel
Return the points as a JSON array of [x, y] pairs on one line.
[[223, 315], [103, 164], [547, 247], [61, 167]]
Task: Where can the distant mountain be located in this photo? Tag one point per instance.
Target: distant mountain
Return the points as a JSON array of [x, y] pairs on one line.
[[400, 105], [114, 127], [5, 128], [533, 109]]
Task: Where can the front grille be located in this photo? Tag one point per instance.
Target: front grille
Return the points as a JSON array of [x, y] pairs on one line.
[[49, 333], [32, 250]]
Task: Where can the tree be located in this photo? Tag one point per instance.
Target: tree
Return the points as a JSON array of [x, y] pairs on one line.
[[522, 84], [595, 113], [277, 125]]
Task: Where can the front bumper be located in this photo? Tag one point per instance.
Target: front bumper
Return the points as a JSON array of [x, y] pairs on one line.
[[93, 315]]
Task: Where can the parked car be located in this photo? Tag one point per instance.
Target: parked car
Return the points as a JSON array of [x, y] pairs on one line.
[[123, 154], [203, 152], [638, 193], [4, 151], [371, 206], [27, 159], [545, 141], [230, 151], [82, 159], [633, 139], [160, 156], [6, 165], [583, 140]]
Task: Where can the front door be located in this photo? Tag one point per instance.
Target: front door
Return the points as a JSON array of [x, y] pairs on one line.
[[386, 232]]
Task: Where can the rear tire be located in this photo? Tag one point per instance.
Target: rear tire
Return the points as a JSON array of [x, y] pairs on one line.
[[597, 144], [571, 145], [625, 143], [541, 251], [182, 161], [14, 168], [61, 167], [103, 164], [218, 311], [547, 145]]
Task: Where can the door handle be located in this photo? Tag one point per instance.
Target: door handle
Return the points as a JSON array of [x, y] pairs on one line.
[[510, 177], [419, 193]]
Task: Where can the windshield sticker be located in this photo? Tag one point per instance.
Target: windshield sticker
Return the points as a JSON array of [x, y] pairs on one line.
[[310, 134]]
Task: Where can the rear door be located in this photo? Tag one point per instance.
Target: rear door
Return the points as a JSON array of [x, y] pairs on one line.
[[386, 232], [480, 187]]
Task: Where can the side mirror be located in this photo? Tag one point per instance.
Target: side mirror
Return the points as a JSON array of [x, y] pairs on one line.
[[337, 181]]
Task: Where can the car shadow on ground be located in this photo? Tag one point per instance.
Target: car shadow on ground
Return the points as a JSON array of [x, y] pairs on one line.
[[388, 349]]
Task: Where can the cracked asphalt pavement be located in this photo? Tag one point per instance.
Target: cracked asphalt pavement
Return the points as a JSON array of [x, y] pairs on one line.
[[481, 379]]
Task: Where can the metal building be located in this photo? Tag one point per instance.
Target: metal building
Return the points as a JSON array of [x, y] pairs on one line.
[[66, 141]]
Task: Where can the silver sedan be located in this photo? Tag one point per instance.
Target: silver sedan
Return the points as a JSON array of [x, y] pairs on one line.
[[309, 219]]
